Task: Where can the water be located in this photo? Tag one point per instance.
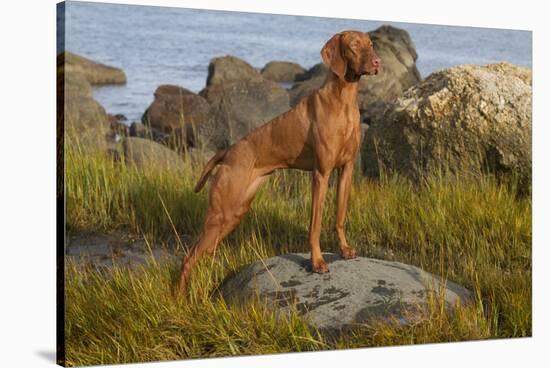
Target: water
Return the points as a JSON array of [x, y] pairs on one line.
[[159, 45]]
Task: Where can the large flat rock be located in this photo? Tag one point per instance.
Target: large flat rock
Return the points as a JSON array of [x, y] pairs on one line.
[[107, 251], [354, 292]]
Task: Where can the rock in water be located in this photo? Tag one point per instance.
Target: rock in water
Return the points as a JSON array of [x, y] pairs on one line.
[[282, 71], [95, 73], [229, 69], [354, 292]]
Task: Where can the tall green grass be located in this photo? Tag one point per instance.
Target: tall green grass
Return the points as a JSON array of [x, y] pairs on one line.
[[477, 233]]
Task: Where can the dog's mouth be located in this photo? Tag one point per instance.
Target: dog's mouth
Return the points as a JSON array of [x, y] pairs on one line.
[[368, 71], [364, 71]]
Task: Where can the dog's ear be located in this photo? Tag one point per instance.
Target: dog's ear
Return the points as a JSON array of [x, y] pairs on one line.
[[332, 56]]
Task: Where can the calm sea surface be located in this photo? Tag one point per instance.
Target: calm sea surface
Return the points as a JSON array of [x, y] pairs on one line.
[[158, 45]]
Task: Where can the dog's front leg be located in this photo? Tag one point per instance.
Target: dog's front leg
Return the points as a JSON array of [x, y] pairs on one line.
[[319, 190], [342, 198]]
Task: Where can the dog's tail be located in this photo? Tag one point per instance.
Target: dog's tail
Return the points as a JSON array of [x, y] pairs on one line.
[[208, 168]]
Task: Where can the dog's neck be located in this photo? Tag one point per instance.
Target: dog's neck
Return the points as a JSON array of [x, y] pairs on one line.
[[346, 89]]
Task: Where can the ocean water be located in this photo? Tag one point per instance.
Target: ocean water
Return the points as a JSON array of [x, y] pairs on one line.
[[160, 45]]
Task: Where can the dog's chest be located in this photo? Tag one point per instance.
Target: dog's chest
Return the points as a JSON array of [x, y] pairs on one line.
[[350, 144], [347, 136]]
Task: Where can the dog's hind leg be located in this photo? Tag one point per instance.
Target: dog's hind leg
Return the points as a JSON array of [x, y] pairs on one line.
[[231, 195]]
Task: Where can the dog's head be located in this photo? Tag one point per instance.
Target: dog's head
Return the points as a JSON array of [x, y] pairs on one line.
[[350, 55]]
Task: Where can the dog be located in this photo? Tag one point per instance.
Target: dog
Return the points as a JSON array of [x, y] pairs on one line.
[[321, 133]]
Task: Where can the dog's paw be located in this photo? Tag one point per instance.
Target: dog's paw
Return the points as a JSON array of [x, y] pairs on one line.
[[348, 253], [320, 266]]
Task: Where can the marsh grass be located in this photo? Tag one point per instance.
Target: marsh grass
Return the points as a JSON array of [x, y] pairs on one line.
[[474, 232]]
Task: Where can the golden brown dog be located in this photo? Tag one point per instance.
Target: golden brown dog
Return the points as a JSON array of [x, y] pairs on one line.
[[320, 134]]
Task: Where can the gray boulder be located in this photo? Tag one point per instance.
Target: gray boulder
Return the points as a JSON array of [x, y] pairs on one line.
[[228, 69], [353, 293], [317, 70], [199, 156], [239, 107], [175, 107], [87, 126], [139, 130], [118, 124], [173, 113], [398, 71], [307, 82], [305, 88], [282, 71], [73, 81], [145, 154], [467, 120]]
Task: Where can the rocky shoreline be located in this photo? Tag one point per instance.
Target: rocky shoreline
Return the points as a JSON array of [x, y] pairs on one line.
[[467, 119]]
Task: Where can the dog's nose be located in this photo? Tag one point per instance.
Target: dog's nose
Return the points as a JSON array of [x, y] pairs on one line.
[[376, 62]]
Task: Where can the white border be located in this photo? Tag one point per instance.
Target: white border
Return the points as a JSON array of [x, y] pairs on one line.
[[27, 204]]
